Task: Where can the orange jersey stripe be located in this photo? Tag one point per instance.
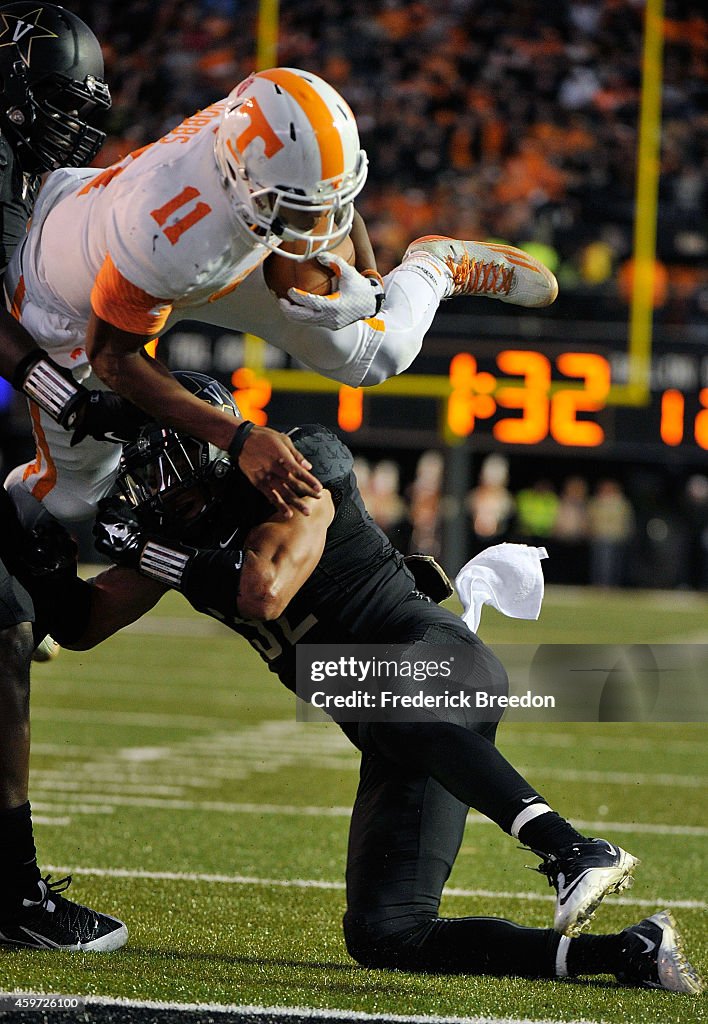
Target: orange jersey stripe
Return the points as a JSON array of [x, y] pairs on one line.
[[48, 476], [18, 298], [317, 113], [118, 302]]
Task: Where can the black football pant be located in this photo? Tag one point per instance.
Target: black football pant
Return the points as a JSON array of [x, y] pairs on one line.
[[405, 833], [417, 781]]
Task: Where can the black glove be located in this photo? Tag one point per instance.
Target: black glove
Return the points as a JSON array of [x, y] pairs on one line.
[[108, 417], [430, 578], [118, 535], [37, 550], [50, 548]]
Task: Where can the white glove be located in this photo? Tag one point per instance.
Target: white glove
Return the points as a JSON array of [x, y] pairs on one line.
[[359, 296]]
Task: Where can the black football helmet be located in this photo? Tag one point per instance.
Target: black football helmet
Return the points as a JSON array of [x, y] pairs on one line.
[[171, 479], [51, 80]]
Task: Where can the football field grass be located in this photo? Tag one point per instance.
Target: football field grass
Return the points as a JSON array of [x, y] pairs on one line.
[[169, 776]]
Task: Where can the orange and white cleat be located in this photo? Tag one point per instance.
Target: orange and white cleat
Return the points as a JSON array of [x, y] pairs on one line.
[[486, 268]]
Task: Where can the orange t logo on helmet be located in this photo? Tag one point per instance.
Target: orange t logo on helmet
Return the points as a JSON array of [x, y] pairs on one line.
[[258, 129]]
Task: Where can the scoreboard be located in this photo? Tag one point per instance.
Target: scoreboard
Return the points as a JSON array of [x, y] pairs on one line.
[[503, 393]]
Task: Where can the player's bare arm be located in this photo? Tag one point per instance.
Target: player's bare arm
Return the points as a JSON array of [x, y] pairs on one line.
[[279, 555], [257, 581], [118, 597], [364, 257], [15, 344], [31, 370], [268, 458]]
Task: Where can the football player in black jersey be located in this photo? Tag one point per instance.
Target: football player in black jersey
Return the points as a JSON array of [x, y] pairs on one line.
[[186, 519], [51, 80]]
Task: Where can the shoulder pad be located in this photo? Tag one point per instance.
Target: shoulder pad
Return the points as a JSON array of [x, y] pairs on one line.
[[330, 457]]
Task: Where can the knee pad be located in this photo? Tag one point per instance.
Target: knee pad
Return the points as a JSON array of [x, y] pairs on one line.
[[385, 944]]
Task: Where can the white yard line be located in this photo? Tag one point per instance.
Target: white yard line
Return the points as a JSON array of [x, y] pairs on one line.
[[613, 778], [517, 735], [46, 799], [316, 883], [307, 1011]]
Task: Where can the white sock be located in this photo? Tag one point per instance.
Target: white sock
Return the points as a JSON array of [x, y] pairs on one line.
[[562, 957], [432, 270], [527, 815]]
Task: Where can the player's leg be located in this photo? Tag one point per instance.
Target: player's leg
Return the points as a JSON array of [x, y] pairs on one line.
[[366, 352], [33, 913], [465, 760], [405, 833], [18, 865], [68, 481]]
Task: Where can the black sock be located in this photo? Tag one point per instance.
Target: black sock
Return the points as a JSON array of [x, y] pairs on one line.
[[595, 954], [18, 857], [549, 833]]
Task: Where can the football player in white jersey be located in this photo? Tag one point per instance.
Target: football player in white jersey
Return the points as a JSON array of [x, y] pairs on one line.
[[180, 229]]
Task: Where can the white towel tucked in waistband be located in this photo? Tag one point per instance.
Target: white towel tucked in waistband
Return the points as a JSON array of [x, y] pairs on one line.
[[507, 576]]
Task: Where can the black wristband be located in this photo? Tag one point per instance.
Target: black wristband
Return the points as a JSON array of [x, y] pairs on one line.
[[211, 582], [239, 439], [376, 282]]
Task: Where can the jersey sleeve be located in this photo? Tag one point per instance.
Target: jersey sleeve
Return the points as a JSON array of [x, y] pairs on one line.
[[331, 460], [118, 301]]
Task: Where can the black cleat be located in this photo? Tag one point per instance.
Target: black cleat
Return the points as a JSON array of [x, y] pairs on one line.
[[582, 875], [53, 922], [655, 958]]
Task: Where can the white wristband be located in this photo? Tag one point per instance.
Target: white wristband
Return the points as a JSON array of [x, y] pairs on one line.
[[163, 564], [48, 388]]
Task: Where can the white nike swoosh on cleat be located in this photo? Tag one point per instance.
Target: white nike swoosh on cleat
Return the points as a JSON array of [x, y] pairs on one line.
[[648, 943]]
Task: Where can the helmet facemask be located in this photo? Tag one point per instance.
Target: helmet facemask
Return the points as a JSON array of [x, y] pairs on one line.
[[173, 482], [276, 214], [49, 121], [51, 81]]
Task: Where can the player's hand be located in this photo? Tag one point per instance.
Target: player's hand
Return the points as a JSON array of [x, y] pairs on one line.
[[274, 466], [118, 534], [49, 548], [108, 417], [358, 296]]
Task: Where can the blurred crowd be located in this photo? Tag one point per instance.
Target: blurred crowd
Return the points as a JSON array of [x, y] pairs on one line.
[[507, 120], [594, 534]]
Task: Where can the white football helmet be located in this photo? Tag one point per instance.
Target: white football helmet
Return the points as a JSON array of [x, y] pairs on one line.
[[288, 151]]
